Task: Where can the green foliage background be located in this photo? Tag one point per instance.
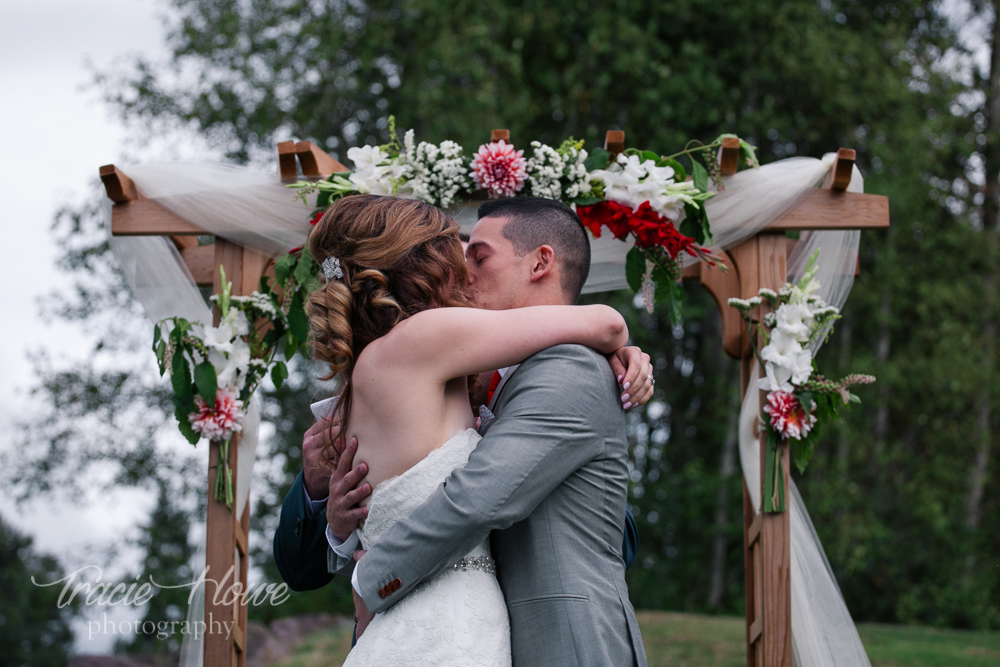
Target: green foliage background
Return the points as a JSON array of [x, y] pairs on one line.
[[891, 489]]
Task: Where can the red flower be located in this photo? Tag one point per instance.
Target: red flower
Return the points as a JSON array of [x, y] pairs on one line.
[[316, 217], [649, 227]]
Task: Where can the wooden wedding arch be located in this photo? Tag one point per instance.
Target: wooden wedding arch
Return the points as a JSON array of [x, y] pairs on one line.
[[760, 261]]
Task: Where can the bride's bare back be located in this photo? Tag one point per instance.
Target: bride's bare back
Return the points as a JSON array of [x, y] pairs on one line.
[[410, 389]]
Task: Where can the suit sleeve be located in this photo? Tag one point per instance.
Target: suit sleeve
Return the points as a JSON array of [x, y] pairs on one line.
[[300, 546], [545, 435]]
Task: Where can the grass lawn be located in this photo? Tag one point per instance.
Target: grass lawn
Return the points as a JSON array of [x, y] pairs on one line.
[[689, 640]]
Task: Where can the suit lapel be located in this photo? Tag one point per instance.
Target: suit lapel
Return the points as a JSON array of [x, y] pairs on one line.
[[503, 383]]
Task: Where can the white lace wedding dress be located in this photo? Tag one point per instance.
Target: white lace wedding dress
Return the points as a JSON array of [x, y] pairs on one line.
[[456, 618]]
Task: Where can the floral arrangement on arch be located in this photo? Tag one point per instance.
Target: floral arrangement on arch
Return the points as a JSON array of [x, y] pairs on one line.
[[214, 370], [637, 195], [799, 399]]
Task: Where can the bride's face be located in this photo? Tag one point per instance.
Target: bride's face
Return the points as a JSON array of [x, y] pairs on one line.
[[497, 276]]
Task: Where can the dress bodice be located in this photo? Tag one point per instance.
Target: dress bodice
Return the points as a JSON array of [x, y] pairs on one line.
[[395, 498]]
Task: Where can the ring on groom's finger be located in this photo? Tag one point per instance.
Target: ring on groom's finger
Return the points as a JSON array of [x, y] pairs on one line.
[[652, 382]]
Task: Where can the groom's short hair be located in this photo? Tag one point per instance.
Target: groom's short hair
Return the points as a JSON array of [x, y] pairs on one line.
[[533, 222]]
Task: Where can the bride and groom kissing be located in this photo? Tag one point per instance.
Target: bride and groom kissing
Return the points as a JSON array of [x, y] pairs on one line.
[[503, 544]]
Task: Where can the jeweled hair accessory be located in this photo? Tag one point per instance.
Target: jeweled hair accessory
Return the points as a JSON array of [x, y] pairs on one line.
[[331, 269]]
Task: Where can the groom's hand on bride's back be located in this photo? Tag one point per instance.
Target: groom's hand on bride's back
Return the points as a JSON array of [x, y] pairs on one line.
[[343, 510], [316, 471]]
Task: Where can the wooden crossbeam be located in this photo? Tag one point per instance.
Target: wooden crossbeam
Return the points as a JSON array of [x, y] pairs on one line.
[[315, 162], [119, 187], [500, 135], [839, 177], [729, 156], [288, 170], [823, 209], [614, 142]]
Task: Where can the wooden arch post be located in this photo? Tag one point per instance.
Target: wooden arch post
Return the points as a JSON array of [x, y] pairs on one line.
[[226, 546], [759, 262]]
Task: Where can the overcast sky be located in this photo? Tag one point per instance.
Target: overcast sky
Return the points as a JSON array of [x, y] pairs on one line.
[[57, 134]]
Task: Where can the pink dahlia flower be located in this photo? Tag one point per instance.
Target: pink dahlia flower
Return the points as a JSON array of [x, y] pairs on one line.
[[218, 422], [499, 169], [788, 417]]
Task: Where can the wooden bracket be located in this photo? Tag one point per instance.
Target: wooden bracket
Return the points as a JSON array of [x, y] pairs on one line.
[[614, 142], [729, 156], [315, 162], [839, 177], [500, 135], [287, 169]]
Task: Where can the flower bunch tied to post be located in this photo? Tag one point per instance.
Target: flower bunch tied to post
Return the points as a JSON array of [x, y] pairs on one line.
[[652, 200], [214, 370], [799, 400]]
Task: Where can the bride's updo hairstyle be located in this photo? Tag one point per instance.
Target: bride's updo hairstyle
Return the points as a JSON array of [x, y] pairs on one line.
[[398, 257]]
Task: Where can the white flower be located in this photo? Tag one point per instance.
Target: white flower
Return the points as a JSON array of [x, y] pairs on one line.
[[795, 321], [373, 173], [215, 338], [769, 294], [237, 321], [631, 182], [740, 304], [786, 363], [231, 369], [754, 301]]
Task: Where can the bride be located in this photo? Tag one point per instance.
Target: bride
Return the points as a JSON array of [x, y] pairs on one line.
[[393, 322]]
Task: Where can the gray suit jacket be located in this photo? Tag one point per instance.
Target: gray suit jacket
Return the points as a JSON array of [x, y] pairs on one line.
[[550, 479]]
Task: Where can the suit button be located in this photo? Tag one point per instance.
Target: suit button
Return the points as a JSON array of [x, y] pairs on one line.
[[396, 583], [381, 592], [297, 526]]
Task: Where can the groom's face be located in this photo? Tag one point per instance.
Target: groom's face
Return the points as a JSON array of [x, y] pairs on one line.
[[497, 276]]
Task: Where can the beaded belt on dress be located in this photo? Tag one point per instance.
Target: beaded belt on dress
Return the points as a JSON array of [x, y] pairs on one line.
[[481, 563]]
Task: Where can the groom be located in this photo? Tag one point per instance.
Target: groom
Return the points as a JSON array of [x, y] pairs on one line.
[[548, 481]]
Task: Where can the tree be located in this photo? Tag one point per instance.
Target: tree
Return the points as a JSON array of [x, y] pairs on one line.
[[33, 628]]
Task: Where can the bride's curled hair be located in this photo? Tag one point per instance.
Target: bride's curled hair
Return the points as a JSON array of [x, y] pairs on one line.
[[398, 257]]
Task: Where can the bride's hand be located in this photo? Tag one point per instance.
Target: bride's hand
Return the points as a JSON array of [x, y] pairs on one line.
[[634, 372]]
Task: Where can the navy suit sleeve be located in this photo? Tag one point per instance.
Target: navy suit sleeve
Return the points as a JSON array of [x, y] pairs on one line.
[[630, 542], [300, 547]]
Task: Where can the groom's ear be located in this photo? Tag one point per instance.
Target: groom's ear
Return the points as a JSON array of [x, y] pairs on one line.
[[543, 262]]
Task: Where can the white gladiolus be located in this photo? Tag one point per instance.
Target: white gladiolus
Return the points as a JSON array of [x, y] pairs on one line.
[[786, 363], [795, 321], [631, 182]]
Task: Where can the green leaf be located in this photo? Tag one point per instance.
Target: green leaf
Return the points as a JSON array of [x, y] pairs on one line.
[[691, 227], [161, 352], [206, 381], [279, 374], [291, 345], [180, 378], [700, 175], [587, 201], [298, 320], [650, 155], [283, 267], [157, 335], [635, 268], [680, 174], [184, 426], [597, 159]]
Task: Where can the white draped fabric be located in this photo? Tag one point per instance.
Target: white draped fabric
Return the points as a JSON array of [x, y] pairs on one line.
[[255, 210]]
